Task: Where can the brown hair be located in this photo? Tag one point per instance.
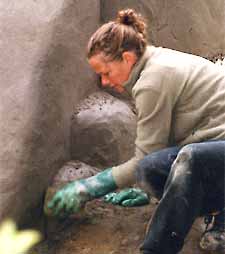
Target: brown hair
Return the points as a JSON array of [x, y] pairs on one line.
[[126, 33]]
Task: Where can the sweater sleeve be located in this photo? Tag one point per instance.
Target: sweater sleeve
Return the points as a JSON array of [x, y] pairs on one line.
[[124, 174], [154, 110]]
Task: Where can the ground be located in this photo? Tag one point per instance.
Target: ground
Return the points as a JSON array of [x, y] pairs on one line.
[[108, 229]]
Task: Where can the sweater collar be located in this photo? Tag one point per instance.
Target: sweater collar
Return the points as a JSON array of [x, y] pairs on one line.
[[137, 69]]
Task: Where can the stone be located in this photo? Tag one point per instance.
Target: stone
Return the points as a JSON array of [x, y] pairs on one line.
[[103, 131], [69, 172], [73, 170]]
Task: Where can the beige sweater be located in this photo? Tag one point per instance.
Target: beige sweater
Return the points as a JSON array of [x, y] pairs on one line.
[[180, 99]]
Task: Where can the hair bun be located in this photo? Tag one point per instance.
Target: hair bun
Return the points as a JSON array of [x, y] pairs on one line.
[[126, 17], [130, 18]]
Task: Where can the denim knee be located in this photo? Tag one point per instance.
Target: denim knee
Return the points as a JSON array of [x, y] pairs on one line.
[[184, 161], [183, 172], [153, 170]]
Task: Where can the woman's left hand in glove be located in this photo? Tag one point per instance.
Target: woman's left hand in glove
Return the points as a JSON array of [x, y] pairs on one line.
[[128, 197]]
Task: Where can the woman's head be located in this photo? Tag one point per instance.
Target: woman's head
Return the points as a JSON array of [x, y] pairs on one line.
[[126, 33], [116, 46]]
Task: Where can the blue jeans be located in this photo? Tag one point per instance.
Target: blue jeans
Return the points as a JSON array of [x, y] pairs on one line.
[[190, 182]]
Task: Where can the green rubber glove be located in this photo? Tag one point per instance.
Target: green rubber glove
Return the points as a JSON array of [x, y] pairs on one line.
[[128, 197], [72, 197]]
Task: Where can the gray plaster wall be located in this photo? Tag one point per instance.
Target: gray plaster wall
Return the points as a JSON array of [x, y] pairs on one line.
[[43, 74], [192, 26]]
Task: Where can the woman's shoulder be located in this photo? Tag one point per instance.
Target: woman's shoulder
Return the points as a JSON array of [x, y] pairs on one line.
[[154, 74], [159, 72]]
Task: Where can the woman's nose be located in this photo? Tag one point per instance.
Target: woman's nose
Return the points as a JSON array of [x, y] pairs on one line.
[[104, 81]]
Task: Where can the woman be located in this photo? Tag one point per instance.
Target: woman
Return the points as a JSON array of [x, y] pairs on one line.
[[180, 147]]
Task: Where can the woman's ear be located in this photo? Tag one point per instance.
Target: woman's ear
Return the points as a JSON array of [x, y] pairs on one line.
[[129, 57]]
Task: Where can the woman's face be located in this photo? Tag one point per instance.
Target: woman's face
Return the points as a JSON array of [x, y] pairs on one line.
[[113, 73]]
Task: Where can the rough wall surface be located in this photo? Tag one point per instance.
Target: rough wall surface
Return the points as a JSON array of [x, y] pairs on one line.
[[192, 26], [43, 74]]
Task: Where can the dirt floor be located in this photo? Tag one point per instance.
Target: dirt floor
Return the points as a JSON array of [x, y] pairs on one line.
[[107, 229]]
